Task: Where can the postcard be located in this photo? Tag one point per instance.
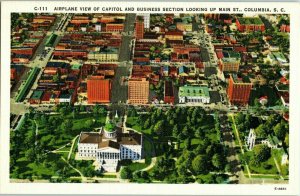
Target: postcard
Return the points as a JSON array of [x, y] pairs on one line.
[[135, 98]]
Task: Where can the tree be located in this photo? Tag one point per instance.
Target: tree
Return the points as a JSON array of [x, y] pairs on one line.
[[218, 161], [221, 178], [89, 123], [101, 111], [147, 124], [199, 164], [206, 179], [286, 140], [158, 128], [75, 112], [261, 153], [30, 154], [126, 173], [44, 119], [261, 131], [96, 109], [240, 118], [280, 131], [63, 111], [56, 78], [175, 131], [67, 125], [187, 143]]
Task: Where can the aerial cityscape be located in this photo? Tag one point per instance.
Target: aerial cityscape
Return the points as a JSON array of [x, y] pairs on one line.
[[149, 98]]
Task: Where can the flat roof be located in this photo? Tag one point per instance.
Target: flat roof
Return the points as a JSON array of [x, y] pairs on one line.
[[242, 79], [193, 91], [250, 20], [37, 94]]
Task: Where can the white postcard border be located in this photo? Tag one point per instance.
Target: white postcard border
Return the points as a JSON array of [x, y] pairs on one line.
[[145, 189]]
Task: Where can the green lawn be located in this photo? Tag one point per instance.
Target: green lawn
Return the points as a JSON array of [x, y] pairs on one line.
[[137, 166], [148, 149], [267, 167], [132, 123], [262, 170], [234, 133], [277, 154]]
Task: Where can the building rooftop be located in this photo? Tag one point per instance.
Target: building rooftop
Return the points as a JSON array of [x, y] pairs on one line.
[[130, 138], [250, 20], [89, 137], [37, 94], [230, 55], [109, 143], [169, 88], [193, 91], [240, 79]]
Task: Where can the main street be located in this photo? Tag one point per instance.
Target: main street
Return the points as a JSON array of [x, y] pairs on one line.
[[127, 36]]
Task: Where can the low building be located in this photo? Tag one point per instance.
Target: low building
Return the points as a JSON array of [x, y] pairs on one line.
[[245, 24], [114, 27], [105, 55], [36, 97], [193, 94], [174, 35]]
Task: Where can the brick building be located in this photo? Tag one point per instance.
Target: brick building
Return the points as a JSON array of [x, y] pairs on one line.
[[249, 24], [138, 91], [169, 93], [98, 89], [239, 90], [229, 60], [114, 27], [139, 28]]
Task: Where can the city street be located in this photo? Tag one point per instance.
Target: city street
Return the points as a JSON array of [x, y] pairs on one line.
[[119, 84], [127, 36]]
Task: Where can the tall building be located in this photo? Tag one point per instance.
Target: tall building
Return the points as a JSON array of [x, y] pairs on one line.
[[98, 89], [239, 90], [138, 91], [169, 92], [139, 27], [229, 61], [146, 19]]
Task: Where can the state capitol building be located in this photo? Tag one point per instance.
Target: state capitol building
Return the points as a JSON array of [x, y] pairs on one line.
[[110, 145]]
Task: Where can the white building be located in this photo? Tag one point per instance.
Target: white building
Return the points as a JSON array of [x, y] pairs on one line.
[[109, 146], [193, 94]]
